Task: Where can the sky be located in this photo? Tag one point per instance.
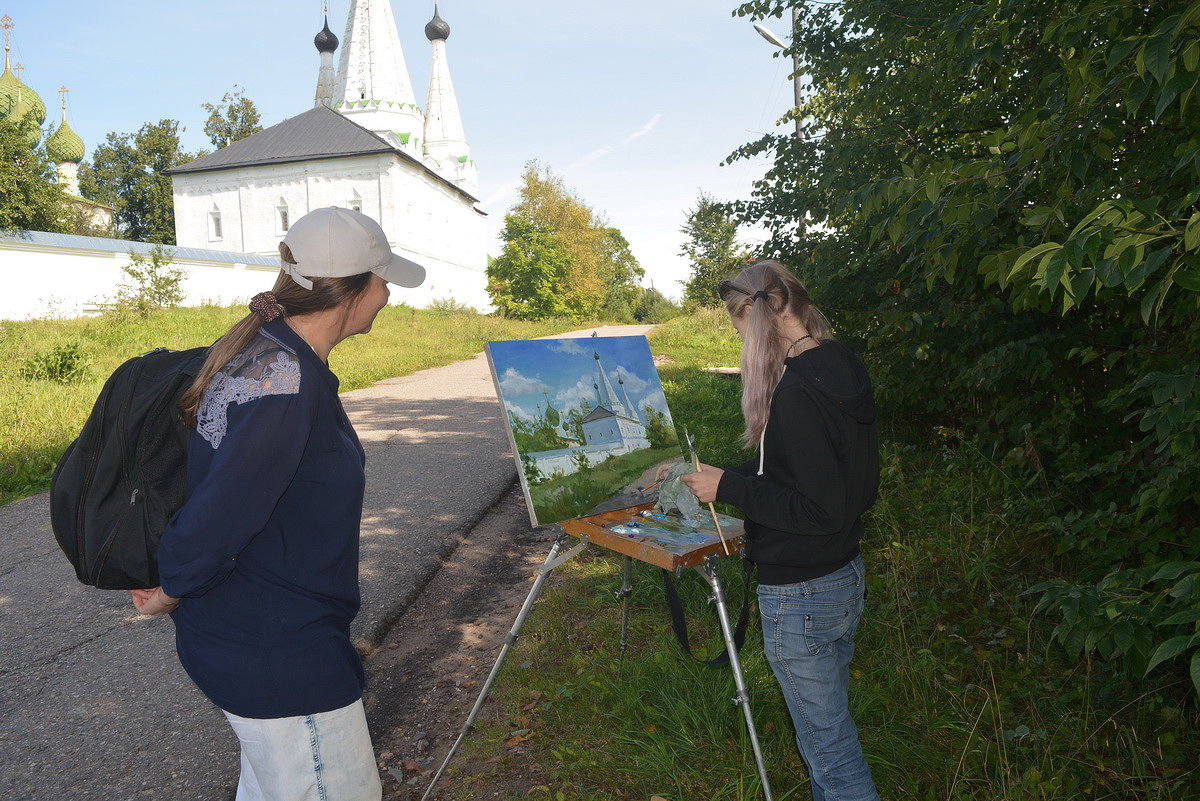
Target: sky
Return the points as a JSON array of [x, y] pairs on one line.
[[564, 371], [635, 104]]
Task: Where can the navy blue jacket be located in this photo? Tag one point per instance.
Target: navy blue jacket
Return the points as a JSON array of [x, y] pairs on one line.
[[264, 552]]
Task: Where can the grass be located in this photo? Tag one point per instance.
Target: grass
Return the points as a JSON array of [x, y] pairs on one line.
[[957, 691], [52, 370]]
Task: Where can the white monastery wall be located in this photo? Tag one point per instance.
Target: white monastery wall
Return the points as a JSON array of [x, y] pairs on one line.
[[43, 281]]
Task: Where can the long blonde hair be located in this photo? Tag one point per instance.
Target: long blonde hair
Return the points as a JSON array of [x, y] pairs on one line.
[[295, 300], [764, 346]]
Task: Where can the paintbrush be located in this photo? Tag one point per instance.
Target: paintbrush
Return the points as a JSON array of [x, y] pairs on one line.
[[711, 508]]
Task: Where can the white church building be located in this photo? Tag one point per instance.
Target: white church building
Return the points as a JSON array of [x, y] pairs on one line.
[[367, 145]]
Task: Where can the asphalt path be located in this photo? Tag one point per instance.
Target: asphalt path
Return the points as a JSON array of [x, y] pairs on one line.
[[94, 704]]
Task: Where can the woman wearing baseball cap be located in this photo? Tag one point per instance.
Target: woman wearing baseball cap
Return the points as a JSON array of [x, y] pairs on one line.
[[259, 568]]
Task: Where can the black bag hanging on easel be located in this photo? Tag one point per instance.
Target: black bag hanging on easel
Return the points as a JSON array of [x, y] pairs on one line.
[[679, 622]]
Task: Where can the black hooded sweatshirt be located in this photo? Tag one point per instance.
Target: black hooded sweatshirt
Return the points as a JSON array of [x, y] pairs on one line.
[[819, 469]]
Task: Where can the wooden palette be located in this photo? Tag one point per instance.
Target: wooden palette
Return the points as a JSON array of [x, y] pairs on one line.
[[645, 549]]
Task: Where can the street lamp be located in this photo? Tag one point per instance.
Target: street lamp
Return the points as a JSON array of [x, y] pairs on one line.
[[770, 36]]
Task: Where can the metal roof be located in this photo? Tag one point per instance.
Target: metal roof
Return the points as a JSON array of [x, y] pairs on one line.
[[44, 239], [319, 133]]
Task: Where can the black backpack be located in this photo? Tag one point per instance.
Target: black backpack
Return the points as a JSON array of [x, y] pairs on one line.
[[118, 484]]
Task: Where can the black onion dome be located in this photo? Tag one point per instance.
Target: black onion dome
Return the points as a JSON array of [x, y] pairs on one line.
[[437, 27], [325, 41]]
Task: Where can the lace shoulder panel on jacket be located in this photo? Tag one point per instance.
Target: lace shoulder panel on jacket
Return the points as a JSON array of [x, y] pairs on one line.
[[265, 367]]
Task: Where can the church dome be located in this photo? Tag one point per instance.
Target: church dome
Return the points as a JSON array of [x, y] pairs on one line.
[[64, 145], [325, 41], [437, 27], [9, 84], [17, 100], [30, 102]]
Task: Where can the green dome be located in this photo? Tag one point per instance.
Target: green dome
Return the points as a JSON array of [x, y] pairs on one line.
[[64, 145], [30, 102], [17, 99], [9, 83]]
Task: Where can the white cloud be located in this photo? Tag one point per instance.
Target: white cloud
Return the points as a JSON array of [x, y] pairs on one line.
[[655, 400], [573, 396], [518, 411], [568, 346], [513, 384], [633, 383]]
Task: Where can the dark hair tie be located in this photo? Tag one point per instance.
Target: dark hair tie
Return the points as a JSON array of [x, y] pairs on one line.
[[266, 306], [761, 294]]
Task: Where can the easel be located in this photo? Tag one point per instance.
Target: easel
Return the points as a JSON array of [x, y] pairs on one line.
[[593, 530]]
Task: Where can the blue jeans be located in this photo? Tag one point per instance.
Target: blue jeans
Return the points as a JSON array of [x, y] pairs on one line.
[[321, 757], [808, 636]]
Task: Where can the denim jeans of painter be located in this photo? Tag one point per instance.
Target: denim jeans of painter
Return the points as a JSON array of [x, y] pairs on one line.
[[808, 635]]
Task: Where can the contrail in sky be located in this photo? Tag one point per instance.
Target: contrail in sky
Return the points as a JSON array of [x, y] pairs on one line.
[[599, 152]]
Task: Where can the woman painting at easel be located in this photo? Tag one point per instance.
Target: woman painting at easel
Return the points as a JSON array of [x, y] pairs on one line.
[[808, 406]]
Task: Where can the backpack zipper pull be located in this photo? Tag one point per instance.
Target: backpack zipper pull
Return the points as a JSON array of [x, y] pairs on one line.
[[133, 498]]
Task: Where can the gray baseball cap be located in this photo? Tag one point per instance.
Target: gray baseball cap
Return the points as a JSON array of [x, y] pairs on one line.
[[333, 242]]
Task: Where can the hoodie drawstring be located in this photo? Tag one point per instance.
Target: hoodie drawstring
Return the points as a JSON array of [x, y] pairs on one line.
[[762, 444]]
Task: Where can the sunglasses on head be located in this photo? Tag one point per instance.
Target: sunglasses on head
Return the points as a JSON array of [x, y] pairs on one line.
[[724, 288]]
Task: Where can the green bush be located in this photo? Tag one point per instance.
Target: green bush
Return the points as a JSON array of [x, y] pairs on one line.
[[63, 364], [450, 306], [153, 283]]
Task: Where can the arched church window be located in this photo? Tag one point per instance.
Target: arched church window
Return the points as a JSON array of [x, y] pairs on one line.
[[214, 224], [281, 216], [355, 202]]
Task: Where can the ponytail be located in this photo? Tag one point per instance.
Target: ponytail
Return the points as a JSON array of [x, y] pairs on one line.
[[760, 295]]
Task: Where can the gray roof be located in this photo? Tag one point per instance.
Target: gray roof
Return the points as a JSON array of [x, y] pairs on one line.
[[319, 133], [45, 239]]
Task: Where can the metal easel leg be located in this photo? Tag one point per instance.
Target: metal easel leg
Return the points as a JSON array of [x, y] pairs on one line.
[[553, 560], [623, 594], [709, 573]]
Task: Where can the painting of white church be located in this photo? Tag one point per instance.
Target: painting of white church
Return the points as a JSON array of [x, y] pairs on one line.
[[586, 417]]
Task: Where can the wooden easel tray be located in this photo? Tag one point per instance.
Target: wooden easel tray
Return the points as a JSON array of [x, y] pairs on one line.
[[644, 548]]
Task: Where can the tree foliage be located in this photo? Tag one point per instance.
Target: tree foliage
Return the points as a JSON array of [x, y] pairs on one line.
[[998, 201], [589, 270], [234, 118], [620, 275], [711, 248], [127, 173], [654, 307], [526, 279], [29, 197]]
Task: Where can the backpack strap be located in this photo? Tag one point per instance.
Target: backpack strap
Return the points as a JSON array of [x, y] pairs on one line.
[[679, 622]]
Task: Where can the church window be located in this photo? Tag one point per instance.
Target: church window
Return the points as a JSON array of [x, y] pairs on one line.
[[214, 225], [281, 213], [355, 202]]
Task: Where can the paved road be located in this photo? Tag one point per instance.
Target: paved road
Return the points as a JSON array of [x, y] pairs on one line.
[[94, 705]]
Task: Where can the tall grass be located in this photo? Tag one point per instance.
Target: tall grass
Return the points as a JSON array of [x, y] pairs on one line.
[[958, 693], [40, 413]]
